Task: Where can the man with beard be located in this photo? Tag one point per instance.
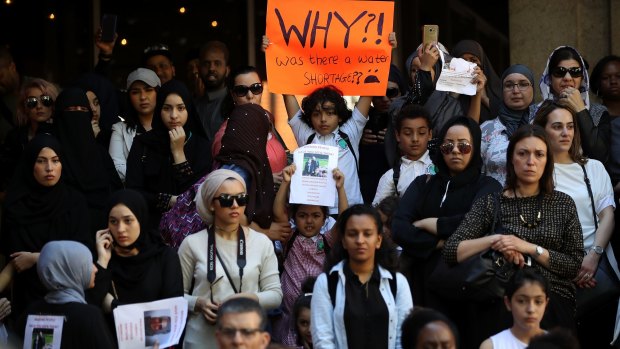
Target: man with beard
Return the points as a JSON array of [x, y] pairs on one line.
[[214, 69]]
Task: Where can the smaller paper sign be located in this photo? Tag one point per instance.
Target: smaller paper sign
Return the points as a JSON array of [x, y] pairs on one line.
[[456, 76], [313, 182]]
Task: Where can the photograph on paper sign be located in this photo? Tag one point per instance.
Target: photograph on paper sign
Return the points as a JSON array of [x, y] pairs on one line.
[[42, 338], [157, 326], [315, 165]]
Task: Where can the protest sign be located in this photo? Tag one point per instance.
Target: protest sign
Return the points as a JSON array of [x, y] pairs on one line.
[[456, 76], [320, 43], [313, 182]]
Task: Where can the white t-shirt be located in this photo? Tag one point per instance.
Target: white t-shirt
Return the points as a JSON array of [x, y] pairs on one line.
[[346, 162], [569, 179], [506, 340], [409, 170]]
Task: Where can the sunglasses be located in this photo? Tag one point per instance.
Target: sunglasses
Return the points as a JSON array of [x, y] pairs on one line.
[[241, 90], [560, 72], [463, 147], [32, 102], [226, 200], [392, 92]]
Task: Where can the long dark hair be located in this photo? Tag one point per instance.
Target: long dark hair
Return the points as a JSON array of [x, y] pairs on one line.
[[228, 103], [542, 117], [526, 131], [385, 256]]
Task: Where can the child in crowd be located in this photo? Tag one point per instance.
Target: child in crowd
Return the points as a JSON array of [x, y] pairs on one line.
[[413, 132], [526, 298], [301, 314], [386, 208], [305, 251]]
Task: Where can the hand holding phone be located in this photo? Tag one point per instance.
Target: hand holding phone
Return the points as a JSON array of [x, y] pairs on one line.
[[108, 27], [430, 34]]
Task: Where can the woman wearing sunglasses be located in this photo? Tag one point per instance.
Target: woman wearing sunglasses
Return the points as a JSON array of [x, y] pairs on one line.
[[35, 109], [166, 161], [539, 228], [134, 265], [246, 87], [225, 260], [433, 206], [566, 81]]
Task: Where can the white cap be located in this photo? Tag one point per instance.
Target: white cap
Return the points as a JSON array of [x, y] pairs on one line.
[[147, 76]]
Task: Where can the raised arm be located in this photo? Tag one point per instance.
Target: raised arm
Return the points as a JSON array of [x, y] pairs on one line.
[[290, 102], [280, 213], [343, 202]]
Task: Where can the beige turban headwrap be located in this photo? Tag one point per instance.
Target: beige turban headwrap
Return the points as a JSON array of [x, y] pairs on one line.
[[207, 190]]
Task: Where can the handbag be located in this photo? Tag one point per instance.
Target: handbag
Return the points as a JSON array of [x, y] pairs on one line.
[[607, 284], [481, 278]]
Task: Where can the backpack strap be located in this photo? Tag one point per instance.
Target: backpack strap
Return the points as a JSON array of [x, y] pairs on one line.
[[289, 244], [332, 284], [393, 285], [396, 175], [311, 138]]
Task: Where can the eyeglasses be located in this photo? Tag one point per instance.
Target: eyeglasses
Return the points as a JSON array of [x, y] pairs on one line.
[[226, 200], [523, 85], [392, 92], [46, 101], [246, 333], [463, 147], [241, 90], [560, 72]]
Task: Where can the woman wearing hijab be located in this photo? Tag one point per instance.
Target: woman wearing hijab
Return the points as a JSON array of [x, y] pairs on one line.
[[166, 161], [226, 260], [66, 269], [104, 104], [566, 80], [433, 206], [243, 151], [39, 208], [134, 264], [515, 110], [87, 165], [491, 95]]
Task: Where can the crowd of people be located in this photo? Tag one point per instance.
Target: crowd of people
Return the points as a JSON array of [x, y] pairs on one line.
[[180, 188]]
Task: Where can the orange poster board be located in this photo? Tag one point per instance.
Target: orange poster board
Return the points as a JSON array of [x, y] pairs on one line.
[[320, 43]]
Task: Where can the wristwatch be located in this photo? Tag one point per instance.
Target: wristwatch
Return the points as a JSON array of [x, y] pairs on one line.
[[539, 251], [597, 249]]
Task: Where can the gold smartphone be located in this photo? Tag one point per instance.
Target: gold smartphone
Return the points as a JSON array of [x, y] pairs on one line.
[[430, 34]]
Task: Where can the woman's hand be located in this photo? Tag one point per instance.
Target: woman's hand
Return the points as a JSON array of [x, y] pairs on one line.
[[338, 177], [104, 47], [277, 178], [585, 277], [5, 308], [23, 260], [208, 309], [279, 231], [428, 55], [177, 139], [571, 98], [480, 80], [104, 242], [107, 303], [96, 129], [369, 137], [288, 172], [508, 243], [265, 44], [172, 201], [515, 258]]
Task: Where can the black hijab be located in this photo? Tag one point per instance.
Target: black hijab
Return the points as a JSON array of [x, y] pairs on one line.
[[471, 173], [35, 214], [513, 119], [149, 242], [86, 164], [243, 144], [106, 94]]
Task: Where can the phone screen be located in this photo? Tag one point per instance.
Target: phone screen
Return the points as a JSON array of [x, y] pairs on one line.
[[108, 27]]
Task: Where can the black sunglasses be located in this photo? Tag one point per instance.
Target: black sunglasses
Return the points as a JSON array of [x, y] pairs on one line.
[[463, 147], [560, 72], [392, 92], [226, 200], [46, 101], [242, 90]]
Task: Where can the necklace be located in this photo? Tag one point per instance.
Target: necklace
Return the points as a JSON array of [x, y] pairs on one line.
[[225, 231], [537, 220]]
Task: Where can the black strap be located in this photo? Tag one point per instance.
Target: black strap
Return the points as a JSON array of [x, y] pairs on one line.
[[396, 175], [212, 253], [332, 285], [587, 180], [344, 137], [496, 212]]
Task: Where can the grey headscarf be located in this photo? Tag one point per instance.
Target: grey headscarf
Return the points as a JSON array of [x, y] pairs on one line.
[[64, 268], [513, 119], [207, 190]]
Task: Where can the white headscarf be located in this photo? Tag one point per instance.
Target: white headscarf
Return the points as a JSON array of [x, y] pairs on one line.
[[64, 268], [545, 79], [208, 188]]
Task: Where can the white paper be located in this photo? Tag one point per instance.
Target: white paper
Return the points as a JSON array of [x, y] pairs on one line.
[[43, 331], [456, 76], [140, 325], [313, 182]]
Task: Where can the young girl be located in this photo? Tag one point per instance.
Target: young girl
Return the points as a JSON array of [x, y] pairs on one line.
[[305, 251], [301, 315], [526, 298]]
